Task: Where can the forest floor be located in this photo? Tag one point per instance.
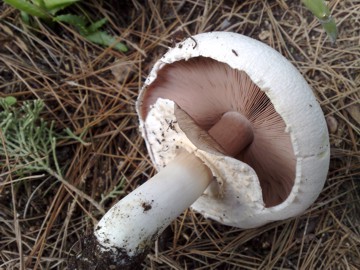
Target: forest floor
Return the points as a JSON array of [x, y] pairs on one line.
[[92, 91]]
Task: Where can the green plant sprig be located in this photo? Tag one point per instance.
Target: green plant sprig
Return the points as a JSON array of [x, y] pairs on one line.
[[28, 142], [47, 10], [322, 12], [92, 31]]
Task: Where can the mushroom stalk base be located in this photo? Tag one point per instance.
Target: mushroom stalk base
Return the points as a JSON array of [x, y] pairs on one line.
[[130, 227]]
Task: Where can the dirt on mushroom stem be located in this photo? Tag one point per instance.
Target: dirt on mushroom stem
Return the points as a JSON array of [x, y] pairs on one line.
[[93, 257], [124, 235]]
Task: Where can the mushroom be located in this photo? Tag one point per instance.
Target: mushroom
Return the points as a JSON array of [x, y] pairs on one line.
[[235, 133]]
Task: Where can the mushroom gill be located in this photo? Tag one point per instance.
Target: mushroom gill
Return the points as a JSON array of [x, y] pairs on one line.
[[222, 100]]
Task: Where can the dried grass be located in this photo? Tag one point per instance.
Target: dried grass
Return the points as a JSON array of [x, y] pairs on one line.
[[41, 218]]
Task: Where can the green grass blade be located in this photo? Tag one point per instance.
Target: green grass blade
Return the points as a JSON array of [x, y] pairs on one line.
[[10, 100], [59, 4], [322, 12], [39, 3], [28, 8], [330, 28], [78, 22], [55, 6], [104, 39], [25, 17], [318, 8], [96, 25]]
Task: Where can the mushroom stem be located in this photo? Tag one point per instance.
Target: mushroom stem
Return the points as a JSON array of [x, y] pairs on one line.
[[233, 132], [130, 227]]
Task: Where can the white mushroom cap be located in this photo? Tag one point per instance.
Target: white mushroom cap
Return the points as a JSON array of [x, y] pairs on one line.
[[236, 197]]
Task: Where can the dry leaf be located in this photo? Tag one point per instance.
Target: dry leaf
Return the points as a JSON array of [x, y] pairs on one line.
[[122, 71], [354, 111], [6, 30], [332, 124], [265, 34]]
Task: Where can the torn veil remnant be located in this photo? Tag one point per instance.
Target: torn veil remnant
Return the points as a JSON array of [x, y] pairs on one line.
[[239, 137]]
